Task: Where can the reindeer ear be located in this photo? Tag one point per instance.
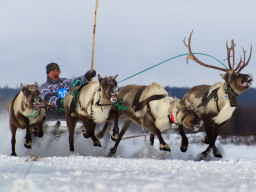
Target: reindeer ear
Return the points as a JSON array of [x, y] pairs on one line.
[[24, 90], [223, 76], [115, 76], [21, 86], [36, 84], [99, 78]]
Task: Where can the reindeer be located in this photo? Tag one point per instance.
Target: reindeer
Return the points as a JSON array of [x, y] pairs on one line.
[[152, 108], [215, 104], [26, 112], [90, 104]]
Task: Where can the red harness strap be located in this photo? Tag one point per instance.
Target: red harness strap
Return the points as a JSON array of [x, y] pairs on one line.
[[172, 116]]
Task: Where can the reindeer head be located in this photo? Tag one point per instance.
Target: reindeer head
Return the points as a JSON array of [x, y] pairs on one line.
[[234, 79], [184, 114], [33, 99], [108, 87]]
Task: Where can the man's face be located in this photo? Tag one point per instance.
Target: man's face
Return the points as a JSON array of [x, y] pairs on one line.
[[54, 74]]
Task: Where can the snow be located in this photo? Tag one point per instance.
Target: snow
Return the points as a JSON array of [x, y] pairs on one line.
[[137, 166]]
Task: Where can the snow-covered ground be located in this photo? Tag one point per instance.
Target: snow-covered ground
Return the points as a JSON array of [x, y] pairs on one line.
[[137, 166]]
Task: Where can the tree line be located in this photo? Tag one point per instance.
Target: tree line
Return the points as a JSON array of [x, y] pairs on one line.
[[243, 121]]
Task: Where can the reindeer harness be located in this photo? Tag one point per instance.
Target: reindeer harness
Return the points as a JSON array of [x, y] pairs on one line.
[[90, 102], [214, 94], [206, 98], [136, 105]]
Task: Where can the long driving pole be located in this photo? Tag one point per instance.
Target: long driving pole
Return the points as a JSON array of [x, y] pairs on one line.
[[94, 34]]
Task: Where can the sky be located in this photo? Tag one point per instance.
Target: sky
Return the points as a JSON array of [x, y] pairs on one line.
[[131, 36]]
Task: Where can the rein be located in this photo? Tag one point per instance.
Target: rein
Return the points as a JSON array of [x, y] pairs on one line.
[[160, 63]]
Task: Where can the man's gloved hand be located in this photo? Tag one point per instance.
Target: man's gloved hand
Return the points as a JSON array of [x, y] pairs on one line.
[[89, 74]]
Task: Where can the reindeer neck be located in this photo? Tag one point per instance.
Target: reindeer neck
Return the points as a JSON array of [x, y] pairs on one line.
[[232, 96], [172, 105], [171, 112], [99, 101]]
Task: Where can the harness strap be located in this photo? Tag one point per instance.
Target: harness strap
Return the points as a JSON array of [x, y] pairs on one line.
[[35, 114], [73, 104], [88, 104], [100, 105], [232, 96], [207, 98], [136, 105], [171, 117], [182, 119], [151, 98], [136, 99]]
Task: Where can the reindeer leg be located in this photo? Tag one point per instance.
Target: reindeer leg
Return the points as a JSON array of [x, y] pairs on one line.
[[152, 138], [28, 139], [71, 123], [216, 152], [13, 140], [204, 154], [150, 125], [184, 140], [214, 133], [208, 127], [126, 125], [115, 133], [163, 146], [101, 133], [85, 133], [90, 128], [39, 132]]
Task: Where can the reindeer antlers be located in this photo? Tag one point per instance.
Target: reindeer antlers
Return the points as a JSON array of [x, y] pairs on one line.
[[230, 53]]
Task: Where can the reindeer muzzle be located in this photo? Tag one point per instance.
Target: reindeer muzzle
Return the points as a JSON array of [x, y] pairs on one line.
[[37, 106], [113, 95], [197, 126], [247, 82]]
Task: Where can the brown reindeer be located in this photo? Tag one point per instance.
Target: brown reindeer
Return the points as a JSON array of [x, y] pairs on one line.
[[90, 104], [26, 112], [215, 104], [152, 108]]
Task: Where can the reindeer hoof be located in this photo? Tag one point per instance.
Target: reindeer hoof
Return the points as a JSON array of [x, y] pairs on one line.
[[184, 145], [27, 145], [183, 148], [216, 152], [85, 134], [97, 144], [165, 147], [114, 137], [111, 153], [218, 155], [14, 154], [99, 135]]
